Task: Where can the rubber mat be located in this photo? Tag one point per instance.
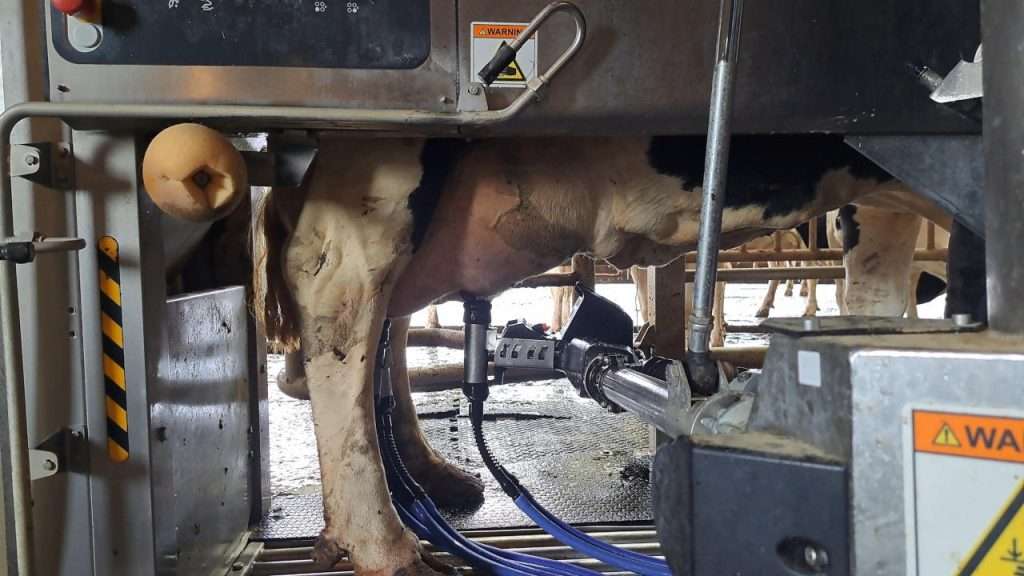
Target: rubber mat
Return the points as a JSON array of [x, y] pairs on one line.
[[583, 463]]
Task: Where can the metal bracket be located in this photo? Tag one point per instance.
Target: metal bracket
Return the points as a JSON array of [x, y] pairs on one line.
[[63, 451], [284, 162], [947, 168], [473, 98], [962, 83], [866, 325], [44, 163], [286, 167]]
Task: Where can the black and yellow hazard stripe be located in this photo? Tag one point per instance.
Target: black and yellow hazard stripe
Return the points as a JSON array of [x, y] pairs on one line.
[[113, 350]]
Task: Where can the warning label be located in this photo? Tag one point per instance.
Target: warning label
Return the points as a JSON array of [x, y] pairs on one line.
[[1001, 551], [964, 479], [487, 37], [969, 436]]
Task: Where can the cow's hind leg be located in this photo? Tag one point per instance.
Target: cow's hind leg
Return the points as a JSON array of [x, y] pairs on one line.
[[447, 485], [350, 243], [769, 300], [811, 309]]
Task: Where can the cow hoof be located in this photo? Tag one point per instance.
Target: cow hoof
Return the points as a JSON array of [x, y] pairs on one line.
[[327, 552], [762, 313], [451, 487]]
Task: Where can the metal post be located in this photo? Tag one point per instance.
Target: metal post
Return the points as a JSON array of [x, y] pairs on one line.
[[1002, 30], [703, 373]]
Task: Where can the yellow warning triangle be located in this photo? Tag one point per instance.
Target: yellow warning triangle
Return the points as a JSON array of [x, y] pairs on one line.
[[946, 437], [512, 73], [1001, 551]]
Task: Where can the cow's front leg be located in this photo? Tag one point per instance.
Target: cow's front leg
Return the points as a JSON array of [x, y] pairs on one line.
[[447, 485], [358, 516], [350, 242]]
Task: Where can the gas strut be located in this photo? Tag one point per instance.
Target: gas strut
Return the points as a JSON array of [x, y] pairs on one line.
[[477, 317], [703, 370], [418, 512]]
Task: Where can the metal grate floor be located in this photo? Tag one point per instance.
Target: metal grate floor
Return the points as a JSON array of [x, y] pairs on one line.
[[582, 463], [273, 559]]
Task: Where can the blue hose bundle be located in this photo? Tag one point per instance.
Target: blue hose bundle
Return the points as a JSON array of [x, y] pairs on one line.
[[418, 512], [564, 533]]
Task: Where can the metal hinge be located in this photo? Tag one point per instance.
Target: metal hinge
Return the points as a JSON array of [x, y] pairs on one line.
[[64, 451], [45, 163]]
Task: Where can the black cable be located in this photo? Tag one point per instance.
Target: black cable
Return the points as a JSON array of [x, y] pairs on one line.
[[505, 479]]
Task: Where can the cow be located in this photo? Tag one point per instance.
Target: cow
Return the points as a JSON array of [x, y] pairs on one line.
[[882, 277], [384, 226]]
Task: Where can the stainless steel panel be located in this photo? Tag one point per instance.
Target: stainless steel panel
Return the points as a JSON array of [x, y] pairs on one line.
[[107, 202], [50, 308], [429, 87], [858, 413], [884, 382], [804, 65], [200, 419], [809, 65]]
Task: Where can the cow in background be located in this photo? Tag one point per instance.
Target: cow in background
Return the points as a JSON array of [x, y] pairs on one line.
[[882, 277]]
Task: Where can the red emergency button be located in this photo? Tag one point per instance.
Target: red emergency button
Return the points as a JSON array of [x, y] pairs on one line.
[[69, 7]]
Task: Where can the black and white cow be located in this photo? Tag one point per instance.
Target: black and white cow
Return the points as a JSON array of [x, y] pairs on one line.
[[383, 227]]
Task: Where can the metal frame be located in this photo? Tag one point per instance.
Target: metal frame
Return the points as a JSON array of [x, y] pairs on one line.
[[18, 510]]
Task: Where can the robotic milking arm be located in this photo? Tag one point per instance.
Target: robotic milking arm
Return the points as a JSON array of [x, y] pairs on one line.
[[595, 351]]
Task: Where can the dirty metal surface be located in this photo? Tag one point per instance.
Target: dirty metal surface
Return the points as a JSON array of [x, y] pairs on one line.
[[584, 464]]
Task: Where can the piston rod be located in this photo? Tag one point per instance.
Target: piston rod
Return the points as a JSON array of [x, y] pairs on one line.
[[703, 371], [651, 399]]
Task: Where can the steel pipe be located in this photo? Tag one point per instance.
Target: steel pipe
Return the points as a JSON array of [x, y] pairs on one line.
[[825, 254], [731, 275], [647, 397], [759, 275], [703, 372]]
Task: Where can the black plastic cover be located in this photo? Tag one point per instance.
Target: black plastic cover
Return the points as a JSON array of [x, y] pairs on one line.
[[378, 34], [597, 319], [724, 510]]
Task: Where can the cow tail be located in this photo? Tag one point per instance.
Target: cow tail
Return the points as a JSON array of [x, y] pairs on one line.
[[273, 304]]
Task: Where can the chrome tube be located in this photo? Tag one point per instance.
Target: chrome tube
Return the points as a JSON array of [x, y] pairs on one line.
[[703, 372], [648, 398]]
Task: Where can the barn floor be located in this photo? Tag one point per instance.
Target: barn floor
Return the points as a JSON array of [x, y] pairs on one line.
[[586, 465], [545, 435]]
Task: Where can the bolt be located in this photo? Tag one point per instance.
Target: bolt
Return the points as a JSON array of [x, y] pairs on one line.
[[63, 151], [962, 320], [474, 90], [815, 558], [31, 159], [446, 100], [49, 465], [237, 566]]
